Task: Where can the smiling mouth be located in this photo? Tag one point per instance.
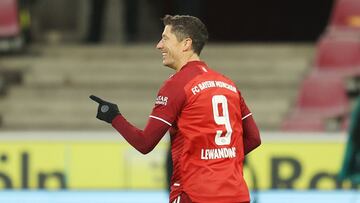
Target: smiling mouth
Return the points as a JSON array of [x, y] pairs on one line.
[[163, 55]]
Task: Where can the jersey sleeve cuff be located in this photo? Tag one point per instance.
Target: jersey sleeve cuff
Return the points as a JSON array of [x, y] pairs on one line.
[[117, 119]]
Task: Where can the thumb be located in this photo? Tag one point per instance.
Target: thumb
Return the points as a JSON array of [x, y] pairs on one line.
[[96, 99]]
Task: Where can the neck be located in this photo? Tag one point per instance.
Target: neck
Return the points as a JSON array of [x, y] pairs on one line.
[[185, 60]]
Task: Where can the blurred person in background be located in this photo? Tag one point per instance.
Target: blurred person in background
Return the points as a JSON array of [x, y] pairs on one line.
[[15, 24], [25, 19], [211, 127], [351, 164], [96, 18], [97, 15]]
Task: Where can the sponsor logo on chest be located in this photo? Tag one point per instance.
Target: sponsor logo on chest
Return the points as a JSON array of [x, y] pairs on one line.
[[162, 100]]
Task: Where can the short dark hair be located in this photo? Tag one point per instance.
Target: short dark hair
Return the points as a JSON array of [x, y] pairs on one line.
[[185, 26]]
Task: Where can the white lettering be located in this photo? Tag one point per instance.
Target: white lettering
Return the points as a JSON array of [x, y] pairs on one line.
[[195, 90], [222, 84], [220, 153], [162, 100], [206, 84], [211, 84], [216, 154], [210, 153], [203, 155]]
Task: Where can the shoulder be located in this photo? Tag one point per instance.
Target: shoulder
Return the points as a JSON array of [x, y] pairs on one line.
[[183, 77], [224, 81], [224, 77]]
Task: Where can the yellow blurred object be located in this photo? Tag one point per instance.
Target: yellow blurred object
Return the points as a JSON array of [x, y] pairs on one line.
[[25, 20], [354, 21], [80, 165], [299, 164]]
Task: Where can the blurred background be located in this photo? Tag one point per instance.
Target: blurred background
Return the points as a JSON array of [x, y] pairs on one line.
[[297, 64]]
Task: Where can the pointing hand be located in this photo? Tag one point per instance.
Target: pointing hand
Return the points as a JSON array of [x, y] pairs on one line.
[[106, 111]]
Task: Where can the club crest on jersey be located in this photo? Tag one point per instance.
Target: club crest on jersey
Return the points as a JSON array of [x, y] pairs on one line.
[[162, 100]]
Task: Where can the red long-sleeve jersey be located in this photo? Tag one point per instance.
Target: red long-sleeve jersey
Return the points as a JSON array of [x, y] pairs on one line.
[[207, 117]]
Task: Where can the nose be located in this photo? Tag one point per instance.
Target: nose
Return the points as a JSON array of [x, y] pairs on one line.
[[159, 45]]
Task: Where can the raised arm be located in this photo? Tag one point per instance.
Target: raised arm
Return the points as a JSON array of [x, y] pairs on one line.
[[142, 140]]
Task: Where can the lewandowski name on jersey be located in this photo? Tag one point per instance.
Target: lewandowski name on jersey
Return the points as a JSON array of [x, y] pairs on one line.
[[210, 84], [218, 153]]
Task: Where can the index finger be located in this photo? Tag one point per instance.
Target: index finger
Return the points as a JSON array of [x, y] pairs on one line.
[[96, 99]]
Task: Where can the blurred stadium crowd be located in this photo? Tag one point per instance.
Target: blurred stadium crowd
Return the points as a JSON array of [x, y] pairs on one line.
[[294, 87]]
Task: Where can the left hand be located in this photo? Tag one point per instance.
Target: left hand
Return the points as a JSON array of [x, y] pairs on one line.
[[106, 111]]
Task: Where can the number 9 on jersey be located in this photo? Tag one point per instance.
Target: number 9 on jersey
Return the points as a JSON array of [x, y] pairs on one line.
[[223, 119]]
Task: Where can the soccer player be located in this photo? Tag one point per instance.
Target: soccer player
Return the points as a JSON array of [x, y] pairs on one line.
[[211, 127]]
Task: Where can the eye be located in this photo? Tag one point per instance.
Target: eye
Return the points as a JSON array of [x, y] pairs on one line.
[[164, 38]]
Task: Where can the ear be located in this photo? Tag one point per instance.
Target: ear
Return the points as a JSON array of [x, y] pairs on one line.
[[187, 44]]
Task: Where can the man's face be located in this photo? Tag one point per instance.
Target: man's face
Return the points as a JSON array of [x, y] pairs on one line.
[[170, 47]]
